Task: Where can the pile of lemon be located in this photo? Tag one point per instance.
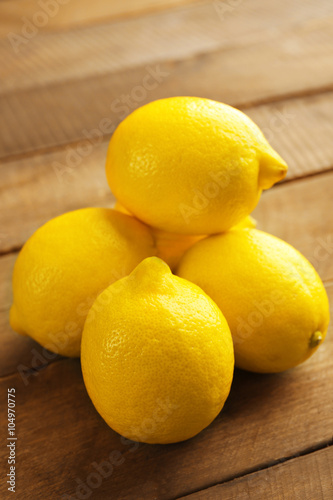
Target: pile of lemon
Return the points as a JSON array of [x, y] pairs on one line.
[[158, 349]]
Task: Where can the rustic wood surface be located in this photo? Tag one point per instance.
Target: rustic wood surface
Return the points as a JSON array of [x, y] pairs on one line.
[[77, 12], [67, 84], [316, 467]]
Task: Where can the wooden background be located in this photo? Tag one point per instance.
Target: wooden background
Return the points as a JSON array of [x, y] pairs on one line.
[[77, 77]]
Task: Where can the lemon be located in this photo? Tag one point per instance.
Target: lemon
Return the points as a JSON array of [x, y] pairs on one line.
[[64, 265], [247, 222], [189, 165], [172, 246], [273, 299], [157, 356]]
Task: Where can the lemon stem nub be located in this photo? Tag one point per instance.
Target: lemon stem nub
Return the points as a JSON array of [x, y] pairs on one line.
[[315, 339]]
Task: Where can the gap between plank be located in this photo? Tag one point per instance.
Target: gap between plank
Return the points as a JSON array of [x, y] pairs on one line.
[[326, 89], [35, 371], [268, 465], [300, 178], [14, 249], [244, 106]]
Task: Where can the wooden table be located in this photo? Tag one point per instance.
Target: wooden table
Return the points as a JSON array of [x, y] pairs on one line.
[[75, 78]]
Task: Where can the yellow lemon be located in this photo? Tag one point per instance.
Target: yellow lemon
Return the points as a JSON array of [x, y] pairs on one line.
[[247, 222], [65, 264], [171, 246], [157, 356], [273, 299], [190, 165]]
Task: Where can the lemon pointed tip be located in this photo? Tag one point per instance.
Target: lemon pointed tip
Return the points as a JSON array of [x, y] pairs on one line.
[[151, 265], [272, 169]]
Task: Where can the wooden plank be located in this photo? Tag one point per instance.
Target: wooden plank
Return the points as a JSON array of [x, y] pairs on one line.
[[301, 214], [304, 477], [290, 63], [169, 35], [37, 188], [301, 130], [266, 418], [76, 13], [21, 355]]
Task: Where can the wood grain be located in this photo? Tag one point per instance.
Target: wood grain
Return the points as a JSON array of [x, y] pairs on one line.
[[77, 13], [290, 63], [266, 418], [169, 35], [305, 477], [39, 187]]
